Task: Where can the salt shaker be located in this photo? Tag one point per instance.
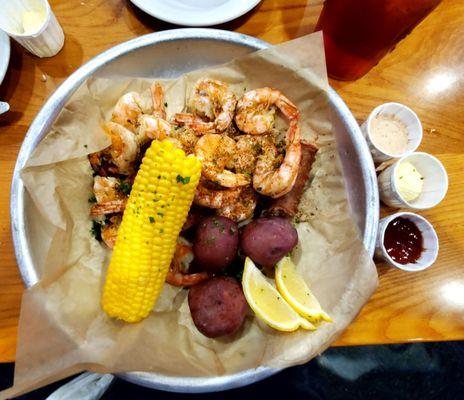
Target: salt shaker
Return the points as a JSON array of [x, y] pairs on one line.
[[32, 24]]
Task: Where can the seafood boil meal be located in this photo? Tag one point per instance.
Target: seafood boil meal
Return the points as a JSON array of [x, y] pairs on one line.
[[205, 200]]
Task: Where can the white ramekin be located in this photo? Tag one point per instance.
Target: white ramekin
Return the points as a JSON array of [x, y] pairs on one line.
[[435, 183], [405, 115], [429, 236], [46, 41]]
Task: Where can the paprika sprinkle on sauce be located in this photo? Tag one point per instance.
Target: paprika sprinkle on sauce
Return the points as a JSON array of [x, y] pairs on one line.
[[403, 241]]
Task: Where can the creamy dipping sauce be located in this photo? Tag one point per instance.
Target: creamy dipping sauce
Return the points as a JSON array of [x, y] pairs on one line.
[[389, 134], [409, 182]]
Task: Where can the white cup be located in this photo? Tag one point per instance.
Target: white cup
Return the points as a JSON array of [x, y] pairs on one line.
[[401, 113], [429, 242], [435, 183], [45, 41]]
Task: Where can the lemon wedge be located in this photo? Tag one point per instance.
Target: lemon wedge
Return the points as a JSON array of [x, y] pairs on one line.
[[295, 291], [267, 303]]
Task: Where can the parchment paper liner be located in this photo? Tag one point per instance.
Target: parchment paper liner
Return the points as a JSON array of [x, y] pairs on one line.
[[62, 327]]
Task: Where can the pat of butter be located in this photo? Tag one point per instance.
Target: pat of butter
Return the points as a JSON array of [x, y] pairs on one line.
[[33, 21], [409, 182]]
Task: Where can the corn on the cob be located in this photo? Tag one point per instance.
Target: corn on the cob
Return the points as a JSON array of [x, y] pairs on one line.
[[156, 210]]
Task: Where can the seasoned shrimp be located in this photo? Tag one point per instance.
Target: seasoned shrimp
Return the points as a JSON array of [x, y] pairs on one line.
[[106, 189], [237, 203], [178, 274], [127, 111], [256, 110], [101, 163], [150, 128], [215, 198], [249, 147], [123, 150], [109, 231], [273, 178], [196, 124], [109, 198], [153, 126], [216, 152], [212, 105], [241, 209], [186, 138], [130, 111]]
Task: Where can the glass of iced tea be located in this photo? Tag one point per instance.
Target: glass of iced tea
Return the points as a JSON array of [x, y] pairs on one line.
[[358, 33]]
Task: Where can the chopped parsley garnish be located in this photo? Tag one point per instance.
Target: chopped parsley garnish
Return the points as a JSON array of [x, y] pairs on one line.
[[95, 230], [183, 180], [152, 220], [165, 104], [125, 188], [92, 199]]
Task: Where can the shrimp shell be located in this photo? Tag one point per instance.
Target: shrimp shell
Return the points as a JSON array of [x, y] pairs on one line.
[[276, 182], [216, 152], [256, 110]]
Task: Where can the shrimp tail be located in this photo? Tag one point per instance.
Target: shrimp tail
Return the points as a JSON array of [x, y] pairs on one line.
[[289, 109], [196, 124], [178, 274], [157, 96], [109, 207]]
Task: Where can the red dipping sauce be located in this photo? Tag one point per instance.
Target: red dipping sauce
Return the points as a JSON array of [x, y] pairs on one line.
[[403, 241]]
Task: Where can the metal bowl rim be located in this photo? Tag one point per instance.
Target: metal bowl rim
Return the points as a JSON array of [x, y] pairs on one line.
[[50, 110]]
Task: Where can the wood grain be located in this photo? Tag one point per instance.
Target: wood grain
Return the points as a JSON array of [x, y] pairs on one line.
[[425, 71]]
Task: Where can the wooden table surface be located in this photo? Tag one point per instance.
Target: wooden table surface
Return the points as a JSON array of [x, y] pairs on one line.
[[425, 72]]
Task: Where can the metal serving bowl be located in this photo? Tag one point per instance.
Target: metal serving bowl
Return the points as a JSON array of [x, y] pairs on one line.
[[169, 54]]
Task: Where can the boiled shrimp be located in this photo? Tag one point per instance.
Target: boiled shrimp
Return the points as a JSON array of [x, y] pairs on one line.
[[101, 164], [237, 203], [186, 139], [256, 110], [108, 196], [215, 198], [212, 105], [128, 110], [243, 208], [109, 231], [153, 126], [150, 128], [249, 147], [196, 124], [216, 152], [272, 177], [124, 148], [178, 274]]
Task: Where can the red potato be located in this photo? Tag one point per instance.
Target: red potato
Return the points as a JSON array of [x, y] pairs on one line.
[[218, 306], [216, 243], [267, 240]]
